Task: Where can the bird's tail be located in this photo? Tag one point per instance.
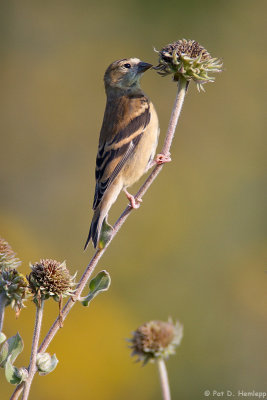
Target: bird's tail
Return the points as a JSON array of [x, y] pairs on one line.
[[95, 228], [100, 215]]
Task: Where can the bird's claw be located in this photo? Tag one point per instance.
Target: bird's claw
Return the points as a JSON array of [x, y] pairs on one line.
[[163, 158], [134, 201]]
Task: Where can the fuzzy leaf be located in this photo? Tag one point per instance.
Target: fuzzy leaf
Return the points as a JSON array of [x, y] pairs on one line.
[[97, 285], [13, 374], [105, 234], [45, 363], [12, 347], [2, 337]]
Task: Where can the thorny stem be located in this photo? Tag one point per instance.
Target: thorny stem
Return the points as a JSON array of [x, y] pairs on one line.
[[182, 87], [164, 382], [3, 301], [35, 341]]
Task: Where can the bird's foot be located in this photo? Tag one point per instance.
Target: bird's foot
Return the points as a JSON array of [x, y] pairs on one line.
[[134, 202], [163, 158]]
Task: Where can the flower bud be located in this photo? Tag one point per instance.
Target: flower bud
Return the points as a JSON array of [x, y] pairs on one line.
[[22, 374], [45, 363]]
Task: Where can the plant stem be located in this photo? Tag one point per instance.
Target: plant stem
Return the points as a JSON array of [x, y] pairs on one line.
[[17, 391], [99, 253], [182, 86], [3, 301], [176, 111], [164, 382], [35, 341]]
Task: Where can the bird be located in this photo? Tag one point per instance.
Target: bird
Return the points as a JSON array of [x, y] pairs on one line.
[[128, 139]]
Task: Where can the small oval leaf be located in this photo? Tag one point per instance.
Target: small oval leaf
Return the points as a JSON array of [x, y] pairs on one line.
[[2, 337], [12, 347], [13, 374], [97, 285], [105, 234]]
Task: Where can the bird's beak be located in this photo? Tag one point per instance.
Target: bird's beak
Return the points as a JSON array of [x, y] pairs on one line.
[[143, 66]]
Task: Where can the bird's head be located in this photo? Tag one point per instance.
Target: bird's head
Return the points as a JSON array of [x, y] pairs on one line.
[[125, 74]]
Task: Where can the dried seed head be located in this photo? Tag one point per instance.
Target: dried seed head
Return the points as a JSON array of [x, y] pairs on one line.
[[156, 339], [50, 278], [188, 59], [14, 288], [7, 256]]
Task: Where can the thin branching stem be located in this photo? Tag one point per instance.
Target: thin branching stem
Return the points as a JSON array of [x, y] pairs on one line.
[[99, 253], [182, 86], [17, 392], [3, 301], [35, 342], [164, 381]]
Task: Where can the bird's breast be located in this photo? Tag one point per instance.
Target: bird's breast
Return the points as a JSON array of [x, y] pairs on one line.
[[145, 150]]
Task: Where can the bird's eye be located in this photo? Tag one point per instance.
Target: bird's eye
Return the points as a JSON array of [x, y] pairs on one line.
[[127, 65]]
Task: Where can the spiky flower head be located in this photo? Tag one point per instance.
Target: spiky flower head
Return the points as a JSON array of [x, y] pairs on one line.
[[13, 288], [7, 256], [156, 339], [190, 60], [50, 278]]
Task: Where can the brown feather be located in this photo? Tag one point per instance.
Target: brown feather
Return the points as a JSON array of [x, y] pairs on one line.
[[118, 138], [128, 138]]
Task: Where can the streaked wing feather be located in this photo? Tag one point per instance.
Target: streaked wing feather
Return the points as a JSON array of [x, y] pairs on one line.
[[113, 154]]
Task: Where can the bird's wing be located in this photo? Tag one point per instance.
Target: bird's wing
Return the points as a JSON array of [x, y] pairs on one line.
[[124, 123]]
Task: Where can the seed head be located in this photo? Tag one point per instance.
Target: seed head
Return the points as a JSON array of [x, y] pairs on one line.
[[14, 288], [50, 278], [188, 59], [156, 339], [7, 256]]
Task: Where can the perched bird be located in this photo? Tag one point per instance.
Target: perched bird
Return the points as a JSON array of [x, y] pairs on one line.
[[128, 139]]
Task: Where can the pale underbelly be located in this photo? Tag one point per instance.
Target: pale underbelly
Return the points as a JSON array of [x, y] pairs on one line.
[[137, 165]]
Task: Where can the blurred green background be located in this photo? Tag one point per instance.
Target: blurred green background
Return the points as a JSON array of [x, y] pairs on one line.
[[195, 248]]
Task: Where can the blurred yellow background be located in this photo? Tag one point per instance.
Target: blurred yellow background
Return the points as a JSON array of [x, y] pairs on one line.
[[195, 248]]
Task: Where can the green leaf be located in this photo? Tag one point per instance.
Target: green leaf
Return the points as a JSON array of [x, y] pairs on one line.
[[45, 363], [12, 347], [105, 234], [13, 374], [97, 285], [2, 337]]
